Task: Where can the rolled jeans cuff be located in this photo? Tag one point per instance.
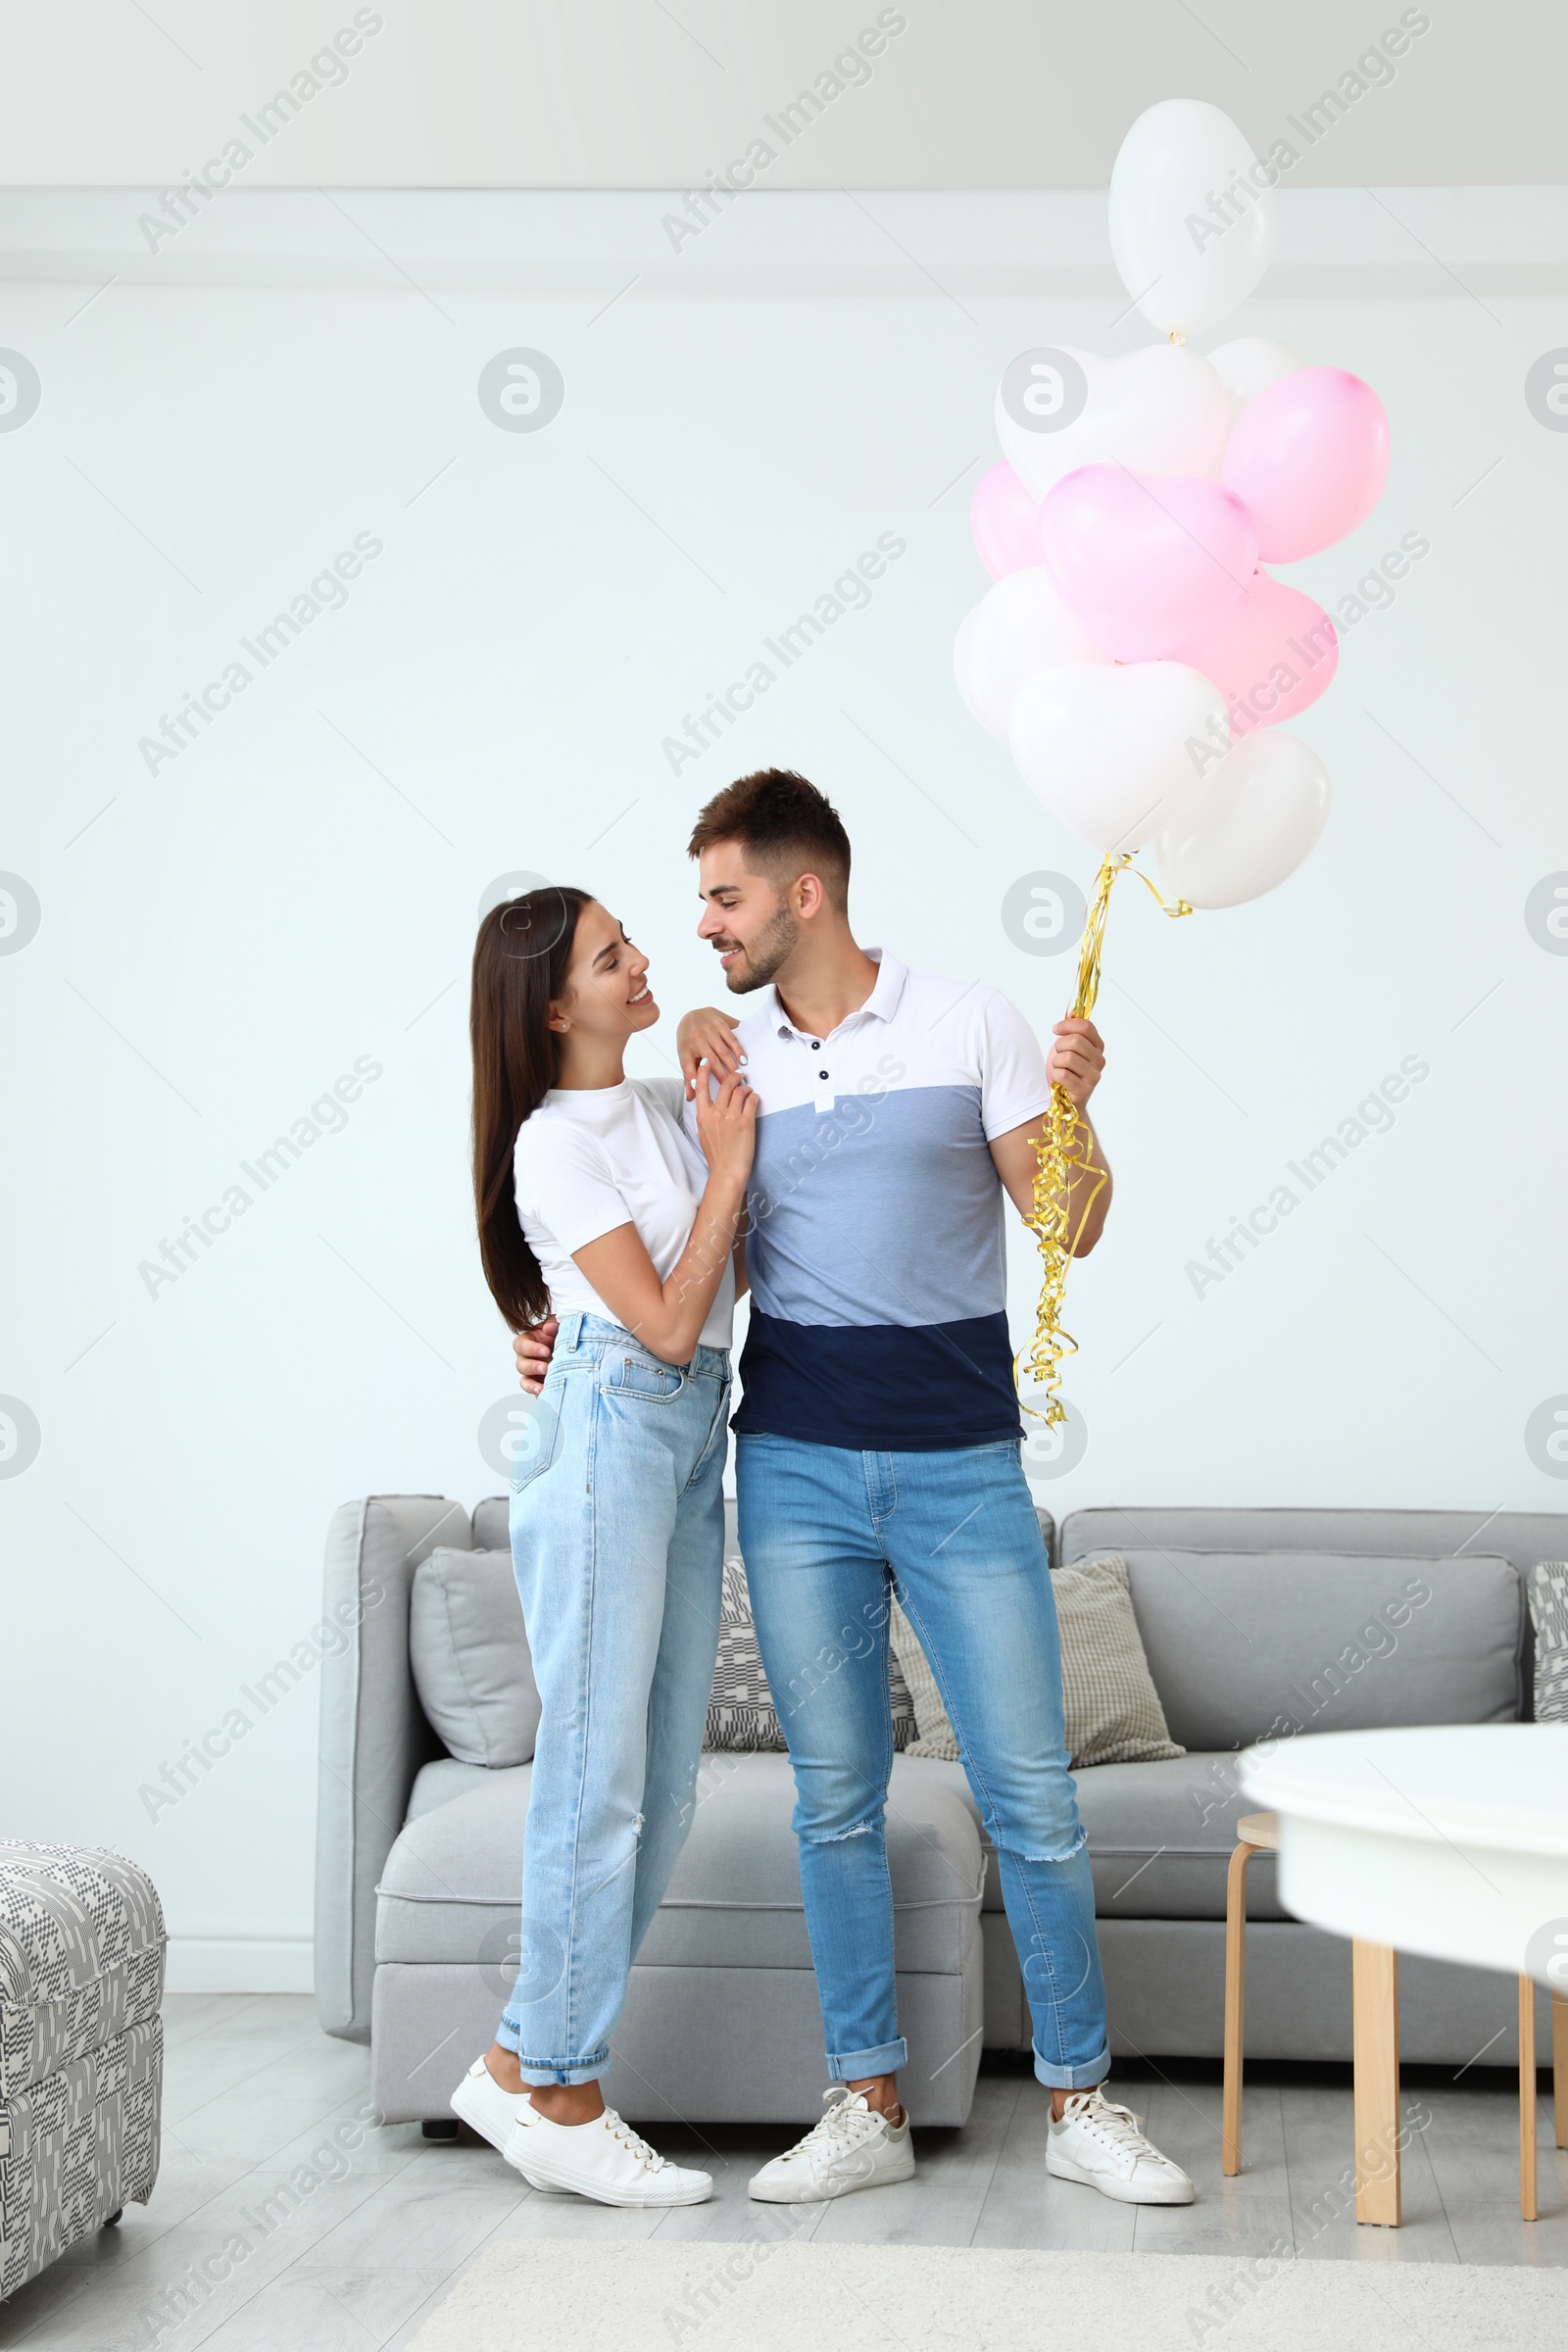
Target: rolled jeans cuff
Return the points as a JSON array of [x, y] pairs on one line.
[[1073, 2077], [541, 2078], [855, 2066], [539, 2072]]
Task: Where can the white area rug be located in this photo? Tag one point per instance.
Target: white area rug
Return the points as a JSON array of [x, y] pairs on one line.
[[572, 2295]]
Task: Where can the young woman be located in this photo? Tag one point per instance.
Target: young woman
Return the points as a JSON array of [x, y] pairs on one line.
[[598, 1212]]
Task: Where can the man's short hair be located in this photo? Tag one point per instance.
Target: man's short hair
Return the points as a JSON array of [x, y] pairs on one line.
[[788, 828]]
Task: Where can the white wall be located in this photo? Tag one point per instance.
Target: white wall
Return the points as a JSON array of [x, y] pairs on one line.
[[603, 94], [219, 941]]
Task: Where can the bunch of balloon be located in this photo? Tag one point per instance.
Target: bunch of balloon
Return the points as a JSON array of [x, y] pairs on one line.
[[1133, 651]]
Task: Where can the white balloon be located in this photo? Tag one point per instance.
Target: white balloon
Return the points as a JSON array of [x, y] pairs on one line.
[[963, 654], [1113, 751], [1021, 628], [1249, 823], [1193, 215], [1160, 410], [1250, 365]]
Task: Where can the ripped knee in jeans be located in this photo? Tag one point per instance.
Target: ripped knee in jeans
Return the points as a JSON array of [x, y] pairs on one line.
[[855, 1828], [1065, 1847]]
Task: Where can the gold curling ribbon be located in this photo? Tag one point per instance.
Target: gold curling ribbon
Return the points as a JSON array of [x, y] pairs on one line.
[[1063, 1151]]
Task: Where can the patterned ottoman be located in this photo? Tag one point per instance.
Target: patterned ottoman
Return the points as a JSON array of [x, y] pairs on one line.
[[81, 2047]]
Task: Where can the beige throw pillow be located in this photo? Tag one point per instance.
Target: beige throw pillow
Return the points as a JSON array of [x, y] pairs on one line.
[[1113, 1714]]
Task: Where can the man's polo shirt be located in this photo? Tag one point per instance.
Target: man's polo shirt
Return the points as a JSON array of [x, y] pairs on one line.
[[876, 1253]]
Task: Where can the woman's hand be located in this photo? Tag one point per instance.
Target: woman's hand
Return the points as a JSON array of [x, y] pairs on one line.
[[532, 1348], [707, 1035], [726, 1125], [669, 1316]]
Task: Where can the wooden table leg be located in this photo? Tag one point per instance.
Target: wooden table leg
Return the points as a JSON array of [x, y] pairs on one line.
[[1375, 2036], [1526, 2098], [1559, 2067], [1234, 2003]]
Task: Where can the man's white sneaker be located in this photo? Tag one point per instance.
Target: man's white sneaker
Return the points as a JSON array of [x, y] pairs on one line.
[[852, 2147], [605, 2160], [485, 2107], [1103, 2146]]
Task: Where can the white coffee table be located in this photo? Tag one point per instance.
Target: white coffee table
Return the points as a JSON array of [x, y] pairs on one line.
[[1452, 1841]]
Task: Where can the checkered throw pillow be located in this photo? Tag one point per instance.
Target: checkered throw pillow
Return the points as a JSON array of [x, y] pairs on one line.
[[1113, 1714], [742, 1719], [1113, 1710], [1548, 1588]]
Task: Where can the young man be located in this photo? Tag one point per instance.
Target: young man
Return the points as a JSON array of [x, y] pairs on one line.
[[878, 1442]]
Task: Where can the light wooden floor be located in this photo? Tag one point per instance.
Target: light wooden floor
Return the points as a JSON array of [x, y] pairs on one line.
[[373, 2238]]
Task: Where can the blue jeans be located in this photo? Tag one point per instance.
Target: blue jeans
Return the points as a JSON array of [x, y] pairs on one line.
[[824, 1531], [618, 1541]]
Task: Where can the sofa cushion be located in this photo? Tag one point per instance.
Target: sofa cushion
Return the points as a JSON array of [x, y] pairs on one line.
[[440, 1781], [451, 1887], [450, 1890], [469, 1651], [734, 1896], [1251, 1646], [1161, 1835]]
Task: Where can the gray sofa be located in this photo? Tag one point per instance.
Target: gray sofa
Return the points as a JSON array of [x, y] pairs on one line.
[[1256, 1624]]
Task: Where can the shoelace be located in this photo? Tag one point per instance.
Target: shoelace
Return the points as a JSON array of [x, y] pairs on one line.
[[845, 2125], [1117, 2126], [620, 2129]]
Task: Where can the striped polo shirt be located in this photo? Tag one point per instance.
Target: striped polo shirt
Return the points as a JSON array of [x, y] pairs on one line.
[[876, 1254]]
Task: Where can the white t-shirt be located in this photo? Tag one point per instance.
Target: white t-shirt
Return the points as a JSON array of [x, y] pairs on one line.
[[591, 1159]]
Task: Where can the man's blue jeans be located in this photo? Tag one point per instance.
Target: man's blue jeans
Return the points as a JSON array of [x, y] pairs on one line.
[[824, 1529], [617, 1542]]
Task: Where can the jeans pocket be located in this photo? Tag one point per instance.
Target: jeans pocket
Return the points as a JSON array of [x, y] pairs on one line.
[[531, 1445], [644, 1377]]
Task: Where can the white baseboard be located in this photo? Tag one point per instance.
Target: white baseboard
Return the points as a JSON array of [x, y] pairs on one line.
[[241, 1964]]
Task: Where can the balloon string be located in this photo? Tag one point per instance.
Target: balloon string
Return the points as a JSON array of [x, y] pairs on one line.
[[1064, 1151]]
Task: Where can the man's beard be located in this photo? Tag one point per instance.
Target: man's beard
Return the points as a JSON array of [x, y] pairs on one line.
[[761, 960]]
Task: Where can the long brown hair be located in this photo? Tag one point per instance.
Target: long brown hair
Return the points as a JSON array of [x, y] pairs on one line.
[[521, 961]]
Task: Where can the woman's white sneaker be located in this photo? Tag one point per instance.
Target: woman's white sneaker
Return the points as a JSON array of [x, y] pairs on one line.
[[852, 2147], [605, 2160], [1103, 2146], [485, 2107]]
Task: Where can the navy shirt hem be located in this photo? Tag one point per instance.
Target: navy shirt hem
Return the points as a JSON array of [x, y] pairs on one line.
[[931, 1388]]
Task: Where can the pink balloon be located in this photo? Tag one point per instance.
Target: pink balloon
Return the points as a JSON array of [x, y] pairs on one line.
[[1146, 560], [1005, 520], [1271, 657], [1309, 457]]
